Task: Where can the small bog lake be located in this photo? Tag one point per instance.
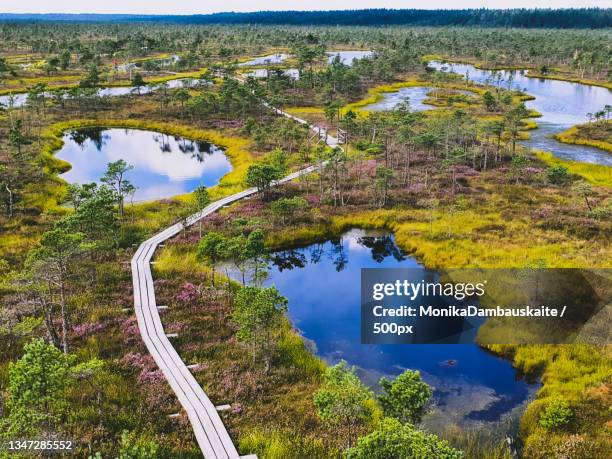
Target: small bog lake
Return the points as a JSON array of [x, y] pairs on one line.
[[348, 57], [266, 60], [164, 165], [322, 284], [414, 95]]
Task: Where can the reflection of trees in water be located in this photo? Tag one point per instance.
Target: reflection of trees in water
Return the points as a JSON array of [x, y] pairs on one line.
[[288, 259], [185, 145], [338, 255], [316, 252], [164, 142], [197, 150], [95, 135], [381, 247]]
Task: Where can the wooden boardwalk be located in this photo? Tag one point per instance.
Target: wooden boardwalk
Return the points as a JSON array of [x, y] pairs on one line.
[[210, 433]]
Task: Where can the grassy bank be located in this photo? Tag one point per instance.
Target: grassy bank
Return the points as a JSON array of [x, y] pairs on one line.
[[597, 174], [598, 135]]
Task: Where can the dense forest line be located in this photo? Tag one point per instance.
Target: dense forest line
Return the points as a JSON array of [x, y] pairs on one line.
[[587, 52], [567, 18]]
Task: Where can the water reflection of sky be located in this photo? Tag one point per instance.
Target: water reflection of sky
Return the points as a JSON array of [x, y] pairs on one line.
[[164, 165], [263, 73], [322, 283], [266, 60], [20, 99], [347, 57], [559, 102], [414, 95]]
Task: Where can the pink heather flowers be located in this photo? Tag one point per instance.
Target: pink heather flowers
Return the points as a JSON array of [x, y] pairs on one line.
[[87, 328], [188, 293]]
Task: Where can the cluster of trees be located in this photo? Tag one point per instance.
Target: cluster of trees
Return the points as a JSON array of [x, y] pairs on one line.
[[43, 383], [247, 253], [86, 44], [69, 252], [600, 115], [382, 426]]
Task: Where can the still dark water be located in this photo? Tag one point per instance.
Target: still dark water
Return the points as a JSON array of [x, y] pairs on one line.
[[322, 283], [164, 165]]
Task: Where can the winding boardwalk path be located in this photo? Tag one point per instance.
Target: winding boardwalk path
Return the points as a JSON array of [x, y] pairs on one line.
[[211, 435]]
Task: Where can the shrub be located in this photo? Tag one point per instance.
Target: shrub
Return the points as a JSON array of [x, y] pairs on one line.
[[406, 397], [558, 175], [556, 415], [394, 440]]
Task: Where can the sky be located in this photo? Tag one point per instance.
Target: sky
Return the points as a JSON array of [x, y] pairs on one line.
[[207, 6]]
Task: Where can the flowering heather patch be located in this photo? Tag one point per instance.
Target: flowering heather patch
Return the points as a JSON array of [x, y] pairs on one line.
[[129, 328], [200, 367], [192, 237], [250, 208], [228, 124], [151, 377], [416, 187], [543, 213], [87, 328], [188, 293], [135, 359], [237, 408], [532, 170], [215, 219], [463, 171], [176, 327], [313, 199], [364, 168], [167, 201]]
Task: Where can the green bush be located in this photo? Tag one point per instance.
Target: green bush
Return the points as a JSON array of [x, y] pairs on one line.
[[394, 440], [558, 175], [556, 415]]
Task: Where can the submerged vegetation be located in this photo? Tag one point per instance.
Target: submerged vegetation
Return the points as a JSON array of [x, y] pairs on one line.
[[454, 184]]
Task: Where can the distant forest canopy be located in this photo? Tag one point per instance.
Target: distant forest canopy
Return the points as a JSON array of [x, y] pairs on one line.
[[569, 18]]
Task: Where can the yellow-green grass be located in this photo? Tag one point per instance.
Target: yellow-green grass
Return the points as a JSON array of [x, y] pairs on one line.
[[573, 136], [460, 239], [597, 174], [56, 81], [305, 110]]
